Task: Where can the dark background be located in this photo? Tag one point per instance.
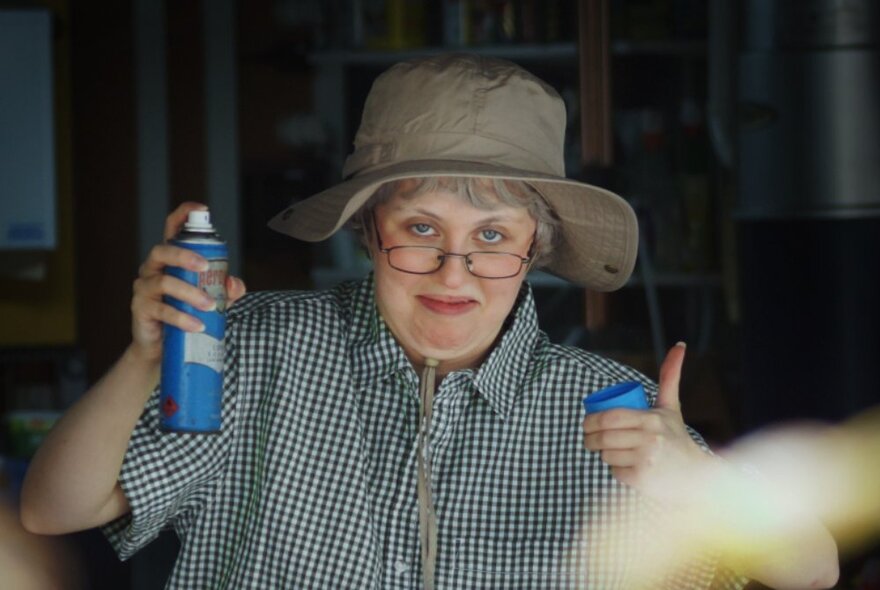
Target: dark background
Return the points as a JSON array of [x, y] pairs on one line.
[[741, 132]]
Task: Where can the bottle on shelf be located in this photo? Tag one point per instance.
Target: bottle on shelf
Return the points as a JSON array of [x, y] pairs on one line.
[[651, 188], [693, 185], [394, 24]]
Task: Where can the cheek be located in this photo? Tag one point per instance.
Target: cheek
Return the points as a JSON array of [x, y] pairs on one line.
[[505, 296], [502, 295], [392, 292]]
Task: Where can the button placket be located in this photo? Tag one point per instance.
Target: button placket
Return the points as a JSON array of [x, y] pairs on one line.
[[402, 555], [447, 408]]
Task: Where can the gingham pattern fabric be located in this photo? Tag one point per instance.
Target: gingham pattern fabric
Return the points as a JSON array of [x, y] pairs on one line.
[[312, 481]]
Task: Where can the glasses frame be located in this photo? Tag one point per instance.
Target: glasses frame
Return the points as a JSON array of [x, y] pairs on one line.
[[443, 255]]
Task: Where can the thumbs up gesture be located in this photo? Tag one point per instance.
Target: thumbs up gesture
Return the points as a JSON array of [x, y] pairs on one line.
[[670, 378], [649, 450]]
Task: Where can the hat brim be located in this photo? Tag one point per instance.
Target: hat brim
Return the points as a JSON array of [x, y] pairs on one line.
[[599, 231]]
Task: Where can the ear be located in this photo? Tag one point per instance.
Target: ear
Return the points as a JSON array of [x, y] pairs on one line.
[[361, 224], [534, 251]]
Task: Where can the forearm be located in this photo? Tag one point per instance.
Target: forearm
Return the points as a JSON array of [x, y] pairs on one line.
[[802, 557], [72, 480], [766, 536], [831, 471]]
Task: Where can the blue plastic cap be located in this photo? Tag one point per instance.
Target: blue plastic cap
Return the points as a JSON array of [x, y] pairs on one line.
[[629, 394]]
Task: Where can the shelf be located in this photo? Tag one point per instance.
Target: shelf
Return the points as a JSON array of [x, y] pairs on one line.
[[662, 48], [552, 52], [533, 52]]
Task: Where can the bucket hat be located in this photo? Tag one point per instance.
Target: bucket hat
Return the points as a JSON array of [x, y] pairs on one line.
[[469, 115]]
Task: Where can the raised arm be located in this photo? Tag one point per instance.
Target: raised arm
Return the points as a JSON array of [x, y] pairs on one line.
[[712, 505], [72, 481]]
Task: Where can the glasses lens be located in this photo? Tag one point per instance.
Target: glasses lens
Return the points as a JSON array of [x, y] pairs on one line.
[[425, 260], [417, 259], [494, 265]]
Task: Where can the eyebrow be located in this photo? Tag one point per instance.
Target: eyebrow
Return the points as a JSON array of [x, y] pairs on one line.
[[432, 215]]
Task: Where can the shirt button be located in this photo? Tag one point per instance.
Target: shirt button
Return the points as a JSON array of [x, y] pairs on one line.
[[400, 566]]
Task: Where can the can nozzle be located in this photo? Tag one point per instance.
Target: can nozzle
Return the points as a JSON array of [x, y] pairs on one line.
[[199, 221]]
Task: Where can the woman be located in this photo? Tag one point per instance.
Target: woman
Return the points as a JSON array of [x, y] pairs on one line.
[[417, 428]]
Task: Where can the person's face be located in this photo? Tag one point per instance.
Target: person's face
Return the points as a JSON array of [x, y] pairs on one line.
[[450, 315]]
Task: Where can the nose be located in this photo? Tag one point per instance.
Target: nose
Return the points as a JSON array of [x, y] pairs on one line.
[[454, 271]]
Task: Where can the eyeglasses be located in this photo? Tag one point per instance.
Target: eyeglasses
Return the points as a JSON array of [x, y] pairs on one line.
[[424, 260]]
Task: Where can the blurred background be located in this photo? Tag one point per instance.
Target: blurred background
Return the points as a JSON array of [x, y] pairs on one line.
[[746, 134]]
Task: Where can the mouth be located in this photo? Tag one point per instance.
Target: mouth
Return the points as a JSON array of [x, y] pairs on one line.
[[446, 305]]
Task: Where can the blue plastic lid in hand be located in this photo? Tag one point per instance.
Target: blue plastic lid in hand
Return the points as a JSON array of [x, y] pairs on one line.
[[629, 394]]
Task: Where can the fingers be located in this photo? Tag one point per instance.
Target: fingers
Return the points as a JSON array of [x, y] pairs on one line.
[[235, 289], [617, 458], [621, 418], [164, 255], [157, 286], [152, 284], [150, 311], [177, 218], [148, 305], [670, 378], [626, 448], [615, 439]]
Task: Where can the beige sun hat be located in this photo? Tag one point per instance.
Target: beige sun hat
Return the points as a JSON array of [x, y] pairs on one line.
[[468, 115]]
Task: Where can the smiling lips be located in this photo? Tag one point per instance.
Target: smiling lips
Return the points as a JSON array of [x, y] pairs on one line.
[[447, 305]]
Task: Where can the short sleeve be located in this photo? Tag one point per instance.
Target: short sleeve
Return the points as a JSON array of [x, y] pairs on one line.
[[166, 477]]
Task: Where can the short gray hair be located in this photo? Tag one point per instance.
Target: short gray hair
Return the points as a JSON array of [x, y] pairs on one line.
[[480, 192]]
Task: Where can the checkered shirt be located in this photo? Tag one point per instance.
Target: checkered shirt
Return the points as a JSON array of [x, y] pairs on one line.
[[312, 481]]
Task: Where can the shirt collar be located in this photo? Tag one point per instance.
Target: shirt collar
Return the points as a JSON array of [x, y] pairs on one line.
[[376, 354], [500, 378]]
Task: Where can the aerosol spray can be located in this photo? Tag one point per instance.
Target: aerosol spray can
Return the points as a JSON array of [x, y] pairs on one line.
[[192, 362]]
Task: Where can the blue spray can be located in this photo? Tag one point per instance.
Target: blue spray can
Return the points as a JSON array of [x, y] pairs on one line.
[[192, 362]]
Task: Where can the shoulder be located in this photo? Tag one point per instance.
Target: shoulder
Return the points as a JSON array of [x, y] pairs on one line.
[[273, 302], [589, 368], [264, 310]]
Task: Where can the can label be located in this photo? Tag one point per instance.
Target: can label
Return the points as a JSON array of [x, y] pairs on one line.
[[213, 282], [203, 349]]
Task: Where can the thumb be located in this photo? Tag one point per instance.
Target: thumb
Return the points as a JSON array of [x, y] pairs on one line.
[[670, 377], [235, 289]]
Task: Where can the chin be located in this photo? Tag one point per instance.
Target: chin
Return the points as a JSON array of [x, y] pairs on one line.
[[444, 347], [442, 351]]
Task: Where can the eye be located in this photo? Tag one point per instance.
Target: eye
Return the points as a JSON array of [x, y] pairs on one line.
[[422, 229], [491, 236]]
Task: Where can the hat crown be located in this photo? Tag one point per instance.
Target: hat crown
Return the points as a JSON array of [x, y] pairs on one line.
[[467, 115], [464, 108]]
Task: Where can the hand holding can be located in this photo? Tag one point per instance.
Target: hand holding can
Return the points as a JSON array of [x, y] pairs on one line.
[[192, 361], [149, 311]]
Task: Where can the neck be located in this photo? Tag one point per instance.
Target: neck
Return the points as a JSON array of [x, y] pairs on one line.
[[446, 366]]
